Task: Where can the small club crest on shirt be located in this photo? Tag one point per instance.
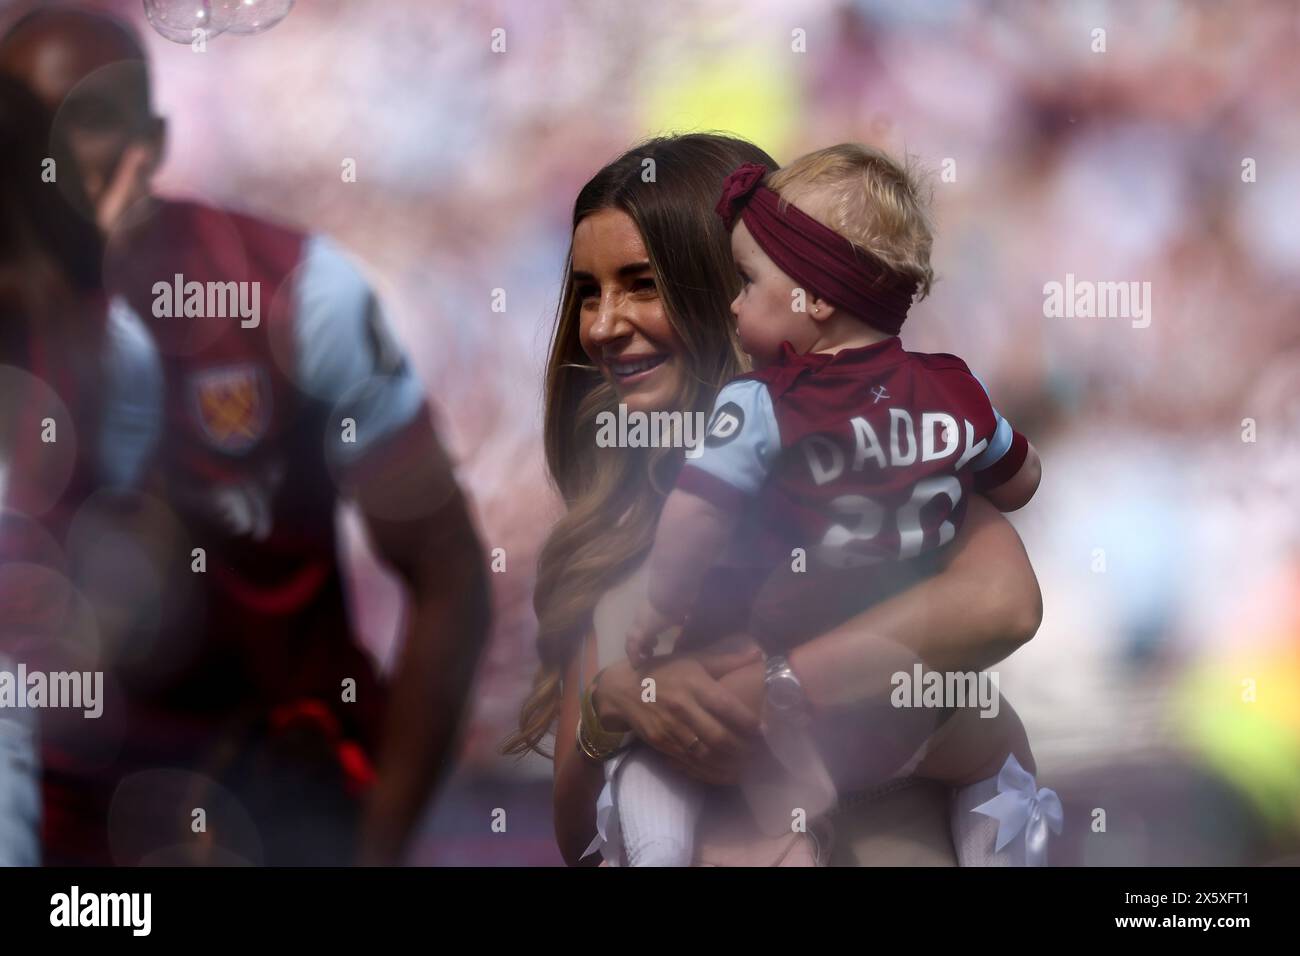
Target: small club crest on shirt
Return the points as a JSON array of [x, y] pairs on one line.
[[726, 425], [232, 405]]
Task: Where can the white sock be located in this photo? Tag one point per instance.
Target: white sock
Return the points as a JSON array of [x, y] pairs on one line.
[[974, 835], [658, 809]]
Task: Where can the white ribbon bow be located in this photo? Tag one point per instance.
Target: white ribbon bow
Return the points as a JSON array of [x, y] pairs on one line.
[[1018, 806], [609, 835]]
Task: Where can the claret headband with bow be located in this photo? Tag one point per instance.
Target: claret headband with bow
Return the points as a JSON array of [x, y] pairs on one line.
[[822, 261]]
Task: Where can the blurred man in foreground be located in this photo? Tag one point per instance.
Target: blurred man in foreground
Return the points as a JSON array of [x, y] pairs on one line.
[[278, 392]]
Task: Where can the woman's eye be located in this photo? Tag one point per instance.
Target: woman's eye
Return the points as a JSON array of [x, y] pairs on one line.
[[585, 292], [645, 284], [744, 279]]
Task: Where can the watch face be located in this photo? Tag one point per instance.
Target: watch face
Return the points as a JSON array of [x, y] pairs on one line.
[[784, 693]]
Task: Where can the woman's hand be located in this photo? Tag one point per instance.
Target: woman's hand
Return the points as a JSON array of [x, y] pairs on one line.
[[692, 718], [736, 662]]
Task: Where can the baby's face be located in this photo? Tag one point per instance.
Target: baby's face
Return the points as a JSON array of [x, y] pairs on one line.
[[765, 308]]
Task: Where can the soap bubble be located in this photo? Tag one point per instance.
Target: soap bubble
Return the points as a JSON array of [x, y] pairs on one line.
[[255, 16], [176, 20]]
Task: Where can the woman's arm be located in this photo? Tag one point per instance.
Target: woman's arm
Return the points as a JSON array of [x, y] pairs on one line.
[[578, 781], [981, 605], [689, 704]]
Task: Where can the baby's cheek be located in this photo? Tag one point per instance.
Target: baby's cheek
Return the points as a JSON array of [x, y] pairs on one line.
[[758, 345], [746, 340]]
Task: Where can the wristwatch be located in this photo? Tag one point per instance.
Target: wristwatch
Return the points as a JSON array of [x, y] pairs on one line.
[[785, 699]]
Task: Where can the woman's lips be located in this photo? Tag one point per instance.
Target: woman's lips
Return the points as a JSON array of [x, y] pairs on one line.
[[630, 371]]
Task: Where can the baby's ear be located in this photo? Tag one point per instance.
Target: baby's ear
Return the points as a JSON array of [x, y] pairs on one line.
[[821, 310]]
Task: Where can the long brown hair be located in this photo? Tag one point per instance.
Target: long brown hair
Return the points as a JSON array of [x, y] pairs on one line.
[[613, 496], [50, 248]]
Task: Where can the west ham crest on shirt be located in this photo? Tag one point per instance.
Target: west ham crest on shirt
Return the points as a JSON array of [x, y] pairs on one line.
[[232, 405]]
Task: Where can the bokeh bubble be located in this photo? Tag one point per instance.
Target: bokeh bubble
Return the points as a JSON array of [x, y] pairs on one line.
[[117, 543], [87, 744], [176, 20], [255, 16], [152, 821], [164, 239], [134, 563], [92, 127], [51, 629], [414, 479], [281, 310], [47, 621], [38, 443], [34, 598], [23, 538], [193, 854]]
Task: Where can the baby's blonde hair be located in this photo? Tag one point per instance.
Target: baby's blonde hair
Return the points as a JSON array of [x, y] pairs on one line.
[[870, 199]]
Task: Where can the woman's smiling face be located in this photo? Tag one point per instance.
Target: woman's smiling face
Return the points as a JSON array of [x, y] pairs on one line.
[[623, 325]]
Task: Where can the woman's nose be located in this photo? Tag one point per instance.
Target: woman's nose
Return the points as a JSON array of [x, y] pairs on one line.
[[611, 319]]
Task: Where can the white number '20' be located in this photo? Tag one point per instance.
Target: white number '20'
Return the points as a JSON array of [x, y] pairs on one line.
[[871, 518]]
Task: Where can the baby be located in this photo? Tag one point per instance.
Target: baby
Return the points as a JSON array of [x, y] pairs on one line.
[[841, 444]]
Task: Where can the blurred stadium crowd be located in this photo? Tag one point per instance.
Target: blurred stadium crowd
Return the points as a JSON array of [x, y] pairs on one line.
[[1164, 685]]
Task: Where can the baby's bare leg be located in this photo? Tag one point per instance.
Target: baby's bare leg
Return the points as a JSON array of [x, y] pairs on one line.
[[969, 748], [968, 753]]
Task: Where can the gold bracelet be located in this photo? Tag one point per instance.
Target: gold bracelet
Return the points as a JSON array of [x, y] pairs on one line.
[[596, 733], [595, 741], [593, 752], [586, 749]]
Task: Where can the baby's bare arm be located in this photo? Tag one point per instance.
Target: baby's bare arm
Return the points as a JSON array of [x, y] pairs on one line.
[[691, 537], [1016, 491]]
